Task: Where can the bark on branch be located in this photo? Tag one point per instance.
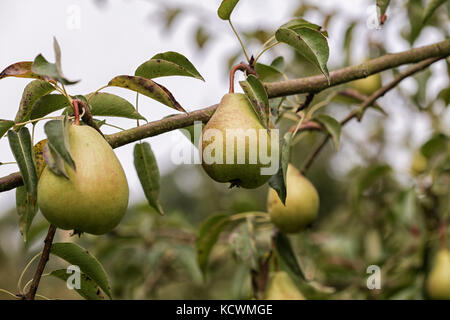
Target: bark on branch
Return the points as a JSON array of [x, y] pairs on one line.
[[275, 89]]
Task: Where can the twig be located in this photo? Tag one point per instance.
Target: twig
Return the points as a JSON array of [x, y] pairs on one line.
[[243, 67], [359, 112], [309, 98], [42, 262]]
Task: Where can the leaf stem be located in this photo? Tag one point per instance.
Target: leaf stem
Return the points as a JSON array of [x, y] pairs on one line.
[[10, 293], [240, 41], [249, 214], [19, 282], [266, 49]]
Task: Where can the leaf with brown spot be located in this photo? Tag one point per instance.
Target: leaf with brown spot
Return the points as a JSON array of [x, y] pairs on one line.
[[32, 92], [39, 156], [148, 88], [21, 70]]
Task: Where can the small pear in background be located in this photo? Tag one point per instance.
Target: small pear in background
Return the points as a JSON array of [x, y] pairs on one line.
[[236, 115], [367, 85], [438, 280], [302, 203], [281, 287], [95, 197]]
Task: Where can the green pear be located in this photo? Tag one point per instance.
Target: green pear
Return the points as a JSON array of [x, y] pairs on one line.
[[220, 154], [367, 85], [419, 163], [281, 287], [438, 281], [95, 197], [302, 203]]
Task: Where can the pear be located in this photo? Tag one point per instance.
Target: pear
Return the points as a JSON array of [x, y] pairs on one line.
[[281, 287], [438, 281], [367, 85], [95, 197], [235, 115], [419, 163], [302, 203]]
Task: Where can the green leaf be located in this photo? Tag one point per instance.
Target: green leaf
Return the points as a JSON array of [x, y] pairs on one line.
[[54, 161], [167, 64], [22, 149], [382, 5], [332, 126], [299, 23], [312, 44], [266, 72], [434, 145], [186, 256], [20, 70], [208, 235], [57, 132], [287, 255], [88, 264], [189, 132], [32, 92], [278, 63], [257, 95], [88, 288], [148, 88], [226, 8], [278, 180], [148, 173], [243, 244], [44, 68], [371, 175], [107, 104], [26, 206], [431, 7], [444, 94], [48, 104], [5, 125]]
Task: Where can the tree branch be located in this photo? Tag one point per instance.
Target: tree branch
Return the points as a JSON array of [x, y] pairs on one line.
[[359, 112], [275, 89], [42, 262]]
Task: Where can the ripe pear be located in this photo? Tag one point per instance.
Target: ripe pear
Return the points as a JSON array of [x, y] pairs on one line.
[[302, 203], [281, 287], [95, 197], [234, 115], [367, 85], [438, 281]]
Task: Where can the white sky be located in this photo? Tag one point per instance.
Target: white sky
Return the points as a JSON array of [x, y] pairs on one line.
[[121, 35]]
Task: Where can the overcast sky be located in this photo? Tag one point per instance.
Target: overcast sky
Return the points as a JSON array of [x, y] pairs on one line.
[[116, 37]]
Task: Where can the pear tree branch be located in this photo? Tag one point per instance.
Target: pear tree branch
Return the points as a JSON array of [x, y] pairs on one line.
[[369, 101], [312, 84]]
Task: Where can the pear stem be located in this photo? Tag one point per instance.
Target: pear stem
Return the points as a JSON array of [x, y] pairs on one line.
[[76, 111], [242, 67]]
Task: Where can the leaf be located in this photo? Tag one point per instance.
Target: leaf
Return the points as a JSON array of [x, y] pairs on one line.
[[54, 161], [189, 132], [266, 72], [382, 6], [26, 206], [369, 177], [57, 132], [20, 70], [88, 288], [299, 23], [107, 104], [257, 95], [88, 264], [287, 255], [148, 173], [202, 36], [148, 88], [278, 63], [186, 256], [22, 149], [42, 67], [243, 244], [226, 8], [278, 180], [48, 104], [38, 150], [434, 145], [431, 7], [208, 235], [5, 125], [312, 44], [167, 64], [332, 126], [32, 92]]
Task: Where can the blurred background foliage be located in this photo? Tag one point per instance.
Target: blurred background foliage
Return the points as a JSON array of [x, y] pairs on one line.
[[370, 213]]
